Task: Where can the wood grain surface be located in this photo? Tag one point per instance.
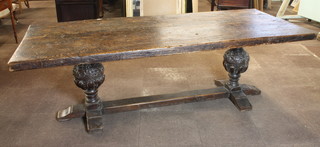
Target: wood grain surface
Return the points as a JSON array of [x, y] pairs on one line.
[[92, 41]]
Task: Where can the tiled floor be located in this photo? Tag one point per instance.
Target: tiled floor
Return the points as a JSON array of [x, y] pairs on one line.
[[285, 114]]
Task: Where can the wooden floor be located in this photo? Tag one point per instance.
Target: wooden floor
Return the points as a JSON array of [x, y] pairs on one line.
[[285, 114]]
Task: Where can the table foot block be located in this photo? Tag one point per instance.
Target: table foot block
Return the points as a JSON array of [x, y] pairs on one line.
[[250, 89], [94, 123], [71, 112], [240, 100]]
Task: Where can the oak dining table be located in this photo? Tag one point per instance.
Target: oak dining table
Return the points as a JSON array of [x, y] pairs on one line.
[[86, 44]]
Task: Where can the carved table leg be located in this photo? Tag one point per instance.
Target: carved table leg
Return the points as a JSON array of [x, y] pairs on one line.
[[87, 77], [236, 61], [90, 76]]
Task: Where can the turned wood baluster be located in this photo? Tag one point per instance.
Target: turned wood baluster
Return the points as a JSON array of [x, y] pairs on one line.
[[236, 61], [89, 77]]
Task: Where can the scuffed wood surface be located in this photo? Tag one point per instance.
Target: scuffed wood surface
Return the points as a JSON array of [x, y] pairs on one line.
[[112, 39]]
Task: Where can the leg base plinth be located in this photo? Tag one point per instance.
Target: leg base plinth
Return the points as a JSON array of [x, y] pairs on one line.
[[94, 124], [93, 115], [247, 89], [238, 95]]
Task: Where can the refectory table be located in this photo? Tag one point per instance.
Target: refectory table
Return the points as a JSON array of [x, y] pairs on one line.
[[85, 44]]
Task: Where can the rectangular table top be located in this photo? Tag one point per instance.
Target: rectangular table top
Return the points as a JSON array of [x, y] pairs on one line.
[[92, 41]]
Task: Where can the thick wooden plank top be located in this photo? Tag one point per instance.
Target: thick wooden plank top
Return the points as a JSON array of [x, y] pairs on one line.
[[112, 39]]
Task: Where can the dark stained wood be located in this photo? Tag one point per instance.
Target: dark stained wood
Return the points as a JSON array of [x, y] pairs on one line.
[[92, 41], [71, 10]]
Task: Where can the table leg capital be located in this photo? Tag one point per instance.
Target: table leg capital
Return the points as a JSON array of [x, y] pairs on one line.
[[89, 77], [236, 61]]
